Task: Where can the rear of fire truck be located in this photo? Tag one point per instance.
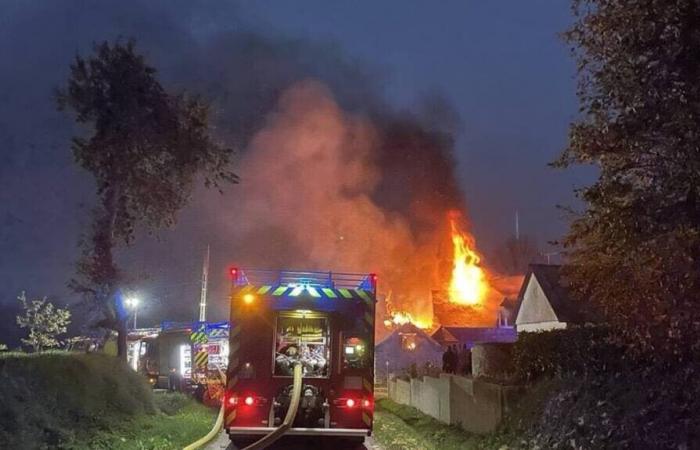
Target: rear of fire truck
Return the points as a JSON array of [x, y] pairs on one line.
[[320, 321]]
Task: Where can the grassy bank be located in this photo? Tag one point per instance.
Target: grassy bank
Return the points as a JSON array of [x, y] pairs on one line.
[[401, 427], [180, 422], [63, 400]]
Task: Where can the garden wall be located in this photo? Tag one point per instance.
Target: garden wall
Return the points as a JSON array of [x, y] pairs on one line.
[[475, 405]]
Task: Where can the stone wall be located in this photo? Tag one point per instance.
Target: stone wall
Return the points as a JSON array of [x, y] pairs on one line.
[[477, 406]]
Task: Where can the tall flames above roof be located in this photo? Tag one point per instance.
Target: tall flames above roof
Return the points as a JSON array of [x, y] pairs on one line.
[[468, 285]]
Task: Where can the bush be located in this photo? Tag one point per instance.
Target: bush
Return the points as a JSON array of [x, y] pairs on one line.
[[46, 399], [172, 403], [576, 351], [593, 393]]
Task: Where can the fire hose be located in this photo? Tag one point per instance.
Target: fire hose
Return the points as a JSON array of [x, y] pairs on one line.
[[217, 425], [269, 439]]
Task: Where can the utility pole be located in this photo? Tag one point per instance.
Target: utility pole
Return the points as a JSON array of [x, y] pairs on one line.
[[517, 226], [203, 298]]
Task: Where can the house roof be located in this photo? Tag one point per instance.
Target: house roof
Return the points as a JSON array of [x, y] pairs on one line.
[[471, 335], [557, 291], [442, 335], [409, 328]]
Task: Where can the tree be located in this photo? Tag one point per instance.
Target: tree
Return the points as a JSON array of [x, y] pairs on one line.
[[635, 250], [145, 148], [44, 321]]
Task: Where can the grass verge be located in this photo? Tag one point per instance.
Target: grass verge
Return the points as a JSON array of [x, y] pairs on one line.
[[181, 422], [77, 401], [401, 427]]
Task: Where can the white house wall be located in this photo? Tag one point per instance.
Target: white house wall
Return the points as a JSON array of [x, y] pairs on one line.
[[536, 313], [540, 326]]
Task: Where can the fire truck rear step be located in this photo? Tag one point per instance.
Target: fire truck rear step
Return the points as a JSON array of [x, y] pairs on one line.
[[340, 432]]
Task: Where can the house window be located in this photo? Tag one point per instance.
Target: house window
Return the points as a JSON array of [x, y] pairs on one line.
[[408, 341]]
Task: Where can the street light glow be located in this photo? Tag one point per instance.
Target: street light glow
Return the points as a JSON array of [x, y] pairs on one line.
[[132, 302]]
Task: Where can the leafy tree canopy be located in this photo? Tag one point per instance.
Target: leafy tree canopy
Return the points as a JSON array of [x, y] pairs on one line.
[[44, 322], [635, 250], [145, 148]]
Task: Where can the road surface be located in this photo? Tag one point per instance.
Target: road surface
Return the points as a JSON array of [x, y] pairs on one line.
[[222, 442]]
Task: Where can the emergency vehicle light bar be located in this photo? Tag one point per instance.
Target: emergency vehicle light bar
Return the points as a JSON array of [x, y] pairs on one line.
[[331, 280]]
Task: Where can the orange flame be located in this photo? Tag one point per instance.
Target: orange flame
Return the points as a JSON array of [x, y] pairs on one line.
[[401, 317], [468, 284]]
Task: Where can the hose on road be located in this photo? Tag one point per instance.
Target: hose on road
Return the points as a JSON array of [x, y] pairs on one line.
[[217, 425], [212, 433], [269, 439], [288, 419]]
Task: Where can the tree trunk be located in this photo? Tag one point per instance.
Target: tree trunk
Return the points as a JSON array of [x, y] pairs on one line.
[[107, 225], [121, 340]]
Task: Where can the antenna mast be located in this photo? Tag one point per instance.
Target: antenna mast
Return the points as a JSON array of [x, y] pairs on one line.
[[203, 298]]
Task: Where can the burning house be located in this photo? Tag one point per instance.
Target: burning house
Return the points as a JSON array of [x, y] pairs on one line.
[[407, 345], [464, 293]]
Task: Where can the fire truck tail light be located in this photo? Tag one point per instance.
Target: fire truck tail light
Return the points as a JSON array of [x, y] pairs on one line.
[[249, 400], [346, 402], [366, 403]]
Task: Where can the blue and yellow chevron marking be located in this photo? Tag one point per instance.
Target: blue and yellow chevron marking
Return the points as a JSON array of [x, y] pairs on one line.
[[279, 291], [200, 335], [310, 291], [313, 291], [218, 333], [363, 295], [263, 290], [330, 293], [296, 291]]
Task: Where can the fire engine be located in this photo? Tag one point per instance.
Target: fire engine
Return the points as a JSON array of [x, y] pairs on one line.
[[301, 355], [195, 351]]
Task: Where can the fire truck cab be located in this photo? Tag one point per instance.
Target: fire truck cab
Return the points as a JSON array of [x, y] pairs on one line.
[[322, 321]]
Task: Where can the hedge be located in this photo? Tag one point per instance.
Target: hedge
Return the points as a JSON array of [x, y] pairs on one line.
[[572, 351]]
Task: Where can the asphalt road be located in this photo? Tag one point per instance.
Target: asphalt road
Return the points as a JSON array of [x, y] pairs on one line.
[[222, 442]]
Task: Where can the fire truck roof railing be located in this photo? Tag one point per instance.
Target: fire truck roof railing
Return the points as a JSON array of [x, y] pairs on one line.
[[332, 280]]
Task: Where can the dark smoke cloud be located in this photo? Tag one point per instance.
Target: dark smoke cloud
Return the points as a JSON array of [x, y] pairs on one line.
[[208, 48]]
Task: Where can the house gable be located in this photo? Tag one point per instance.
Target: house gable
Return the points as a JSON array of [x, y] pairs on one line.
[[535, 306]]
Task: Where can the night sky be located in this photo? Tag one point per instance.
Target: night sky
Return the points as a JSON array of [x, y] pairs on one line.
[[500, 65]]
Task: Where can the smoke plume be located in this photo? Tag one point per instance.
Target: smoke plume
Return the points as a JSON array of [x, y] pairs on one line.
[[333, 177], [327, 189]]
